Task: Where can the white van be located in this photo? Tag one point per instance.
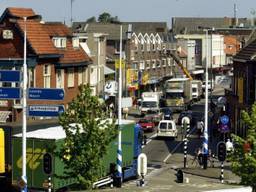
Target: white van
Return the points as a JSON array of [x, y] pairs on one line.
[[167, 128]]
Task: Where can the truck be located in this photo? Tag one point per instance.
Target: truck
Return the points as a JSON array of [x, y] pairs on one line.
[[197, 90], [150, 101], [178, 93], [40, 143]]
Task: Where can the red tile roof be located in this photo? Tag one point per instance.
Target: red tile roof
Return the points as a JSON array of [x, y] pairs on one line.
[[20, 12], [39, 37]]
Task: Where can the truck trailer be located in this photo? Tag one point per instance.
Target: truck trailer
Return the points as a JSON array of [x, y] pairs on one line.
[[178, 93], [40, 142]]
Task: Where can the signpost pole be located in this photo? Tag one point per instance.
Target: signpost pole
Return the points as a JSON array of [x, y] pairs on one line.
[[119, 149], [24, 109]]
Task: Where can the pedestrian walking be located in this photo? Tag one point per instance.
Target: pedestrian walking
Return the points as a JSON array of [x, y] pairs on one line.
[[200, 128], [229, 146]]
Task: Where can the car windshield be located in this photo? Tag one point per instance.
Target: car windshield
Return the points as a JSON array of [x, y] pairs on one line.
[[163, 125], [144, 121], [173, 95], [148, 104]]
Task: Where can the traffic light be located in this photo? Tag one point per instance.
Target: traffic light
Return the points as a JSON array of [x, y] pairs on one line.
[[221, 151], [47, 163]]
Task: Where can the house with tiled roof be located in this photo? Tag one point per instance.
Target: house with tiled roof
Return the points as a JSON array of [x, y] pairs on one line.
[[243, 93], [54, 57]]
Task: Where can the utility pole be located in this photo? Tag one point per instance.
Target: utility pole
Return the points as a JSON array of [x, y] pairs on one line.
[[71, 12], [119, 149]]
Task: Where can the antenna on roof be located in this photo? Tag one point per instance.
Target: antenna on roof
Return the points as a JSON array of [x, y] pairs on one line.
[[235, 11], [71, 12]]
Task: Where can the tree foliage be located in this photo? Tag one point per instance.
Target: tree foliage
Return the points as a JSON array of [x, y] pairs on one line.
[[88, 133], [243, 157], [107, 18], [91, 20]]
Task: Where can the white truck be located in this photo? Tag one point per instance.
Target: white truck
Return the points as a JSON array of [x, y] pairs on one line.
[[197, 90], [150, 102], [178, 93]]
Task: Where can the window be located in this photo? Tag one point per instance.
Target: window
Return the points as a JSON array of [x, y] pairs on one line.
[[142, 46], [168, 61], [147, 64], [158, 63], [60, 42], [60, 78], [80, 75], [153, 64], [134, 65], [148, 45], [153, 46], [164, 62], [70, 77], [142, 65], [31, 77], [47, 76], [75, 42]]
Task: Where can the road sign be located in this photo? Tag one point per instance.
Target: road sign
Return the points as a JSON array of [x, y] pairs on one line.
[[45, 110], [45, 94], [9, 93], [224, 128], [117, 63], [224, 119], [9, 75]]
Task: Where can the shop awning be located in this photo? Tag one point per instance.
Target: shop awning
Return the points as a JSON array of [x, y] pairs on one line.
[[108, 71]]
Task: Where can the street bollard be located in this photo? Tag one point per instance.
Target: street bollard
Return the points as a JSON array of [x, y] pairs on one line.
[[179, 176], [142, 181], [49, 184]]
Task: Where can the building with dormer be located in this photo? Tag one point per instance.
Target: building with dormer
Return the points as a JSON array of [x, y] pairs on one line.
[[54, 58]]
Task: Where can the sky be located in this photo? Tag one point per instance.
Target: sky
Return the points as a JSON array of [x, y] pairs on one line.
[[133, 10]]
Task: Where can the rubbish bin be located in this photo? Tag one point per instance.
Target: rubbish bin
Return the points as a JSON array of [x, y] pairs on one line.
[[179, 176]]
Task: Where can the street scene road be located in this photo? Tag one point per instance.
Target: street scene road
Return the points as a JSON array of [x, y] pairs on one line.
[[165, 157]]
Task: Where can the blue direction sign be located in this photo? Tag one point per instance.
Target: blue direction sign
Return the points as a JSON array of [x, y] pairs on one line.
[[224, 119], [9, 75], [10, 93], [45, 110], [45, 94]]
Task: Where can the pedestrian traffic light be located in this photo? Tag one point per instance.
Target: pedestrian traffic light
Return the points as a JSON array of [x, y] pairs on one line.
[[221, 150], [47, 163]]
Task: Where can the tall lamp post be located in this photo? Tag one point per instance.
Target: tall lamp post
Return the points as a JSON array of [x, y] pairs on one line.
[[206, 137], [119, 149], [24, 102]]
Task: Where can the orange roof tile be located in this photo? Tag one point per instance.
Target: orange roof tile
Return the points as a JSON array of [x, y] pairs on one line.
[[20, 12]]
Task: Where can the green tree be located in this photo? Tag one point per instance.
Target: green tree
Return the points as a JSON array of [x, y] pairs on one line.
[[243, 157], [91, 20], [107, 18], [88, 133]]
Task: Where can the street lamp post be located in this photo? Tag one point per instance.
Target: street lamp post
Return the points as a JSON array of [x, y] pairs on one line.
[[119, 149], [24, 109], [24, 103]]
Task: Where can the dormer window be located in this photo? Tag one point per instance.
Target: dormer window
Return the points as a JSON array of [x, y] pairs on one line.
[[60, 42], [75, 42]]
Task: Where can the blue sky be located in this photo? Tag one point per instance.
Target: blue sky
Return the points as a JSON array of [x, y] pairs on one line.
[[133, 10]]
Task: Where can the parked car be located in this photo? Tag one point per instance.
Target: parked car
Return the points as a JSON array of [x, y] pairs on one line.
[[167, 113], [147, 124], [155, 115], [167, 128]]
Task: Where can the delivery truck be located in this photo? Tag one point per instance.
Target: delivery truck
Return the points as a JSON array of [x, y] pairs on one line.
[[150, 101], [197, 90], [40, 145], [178, 93]]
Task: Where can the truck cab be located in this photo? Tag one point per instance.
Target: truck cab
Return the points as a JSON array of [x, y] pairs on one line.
[[150, 102]]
